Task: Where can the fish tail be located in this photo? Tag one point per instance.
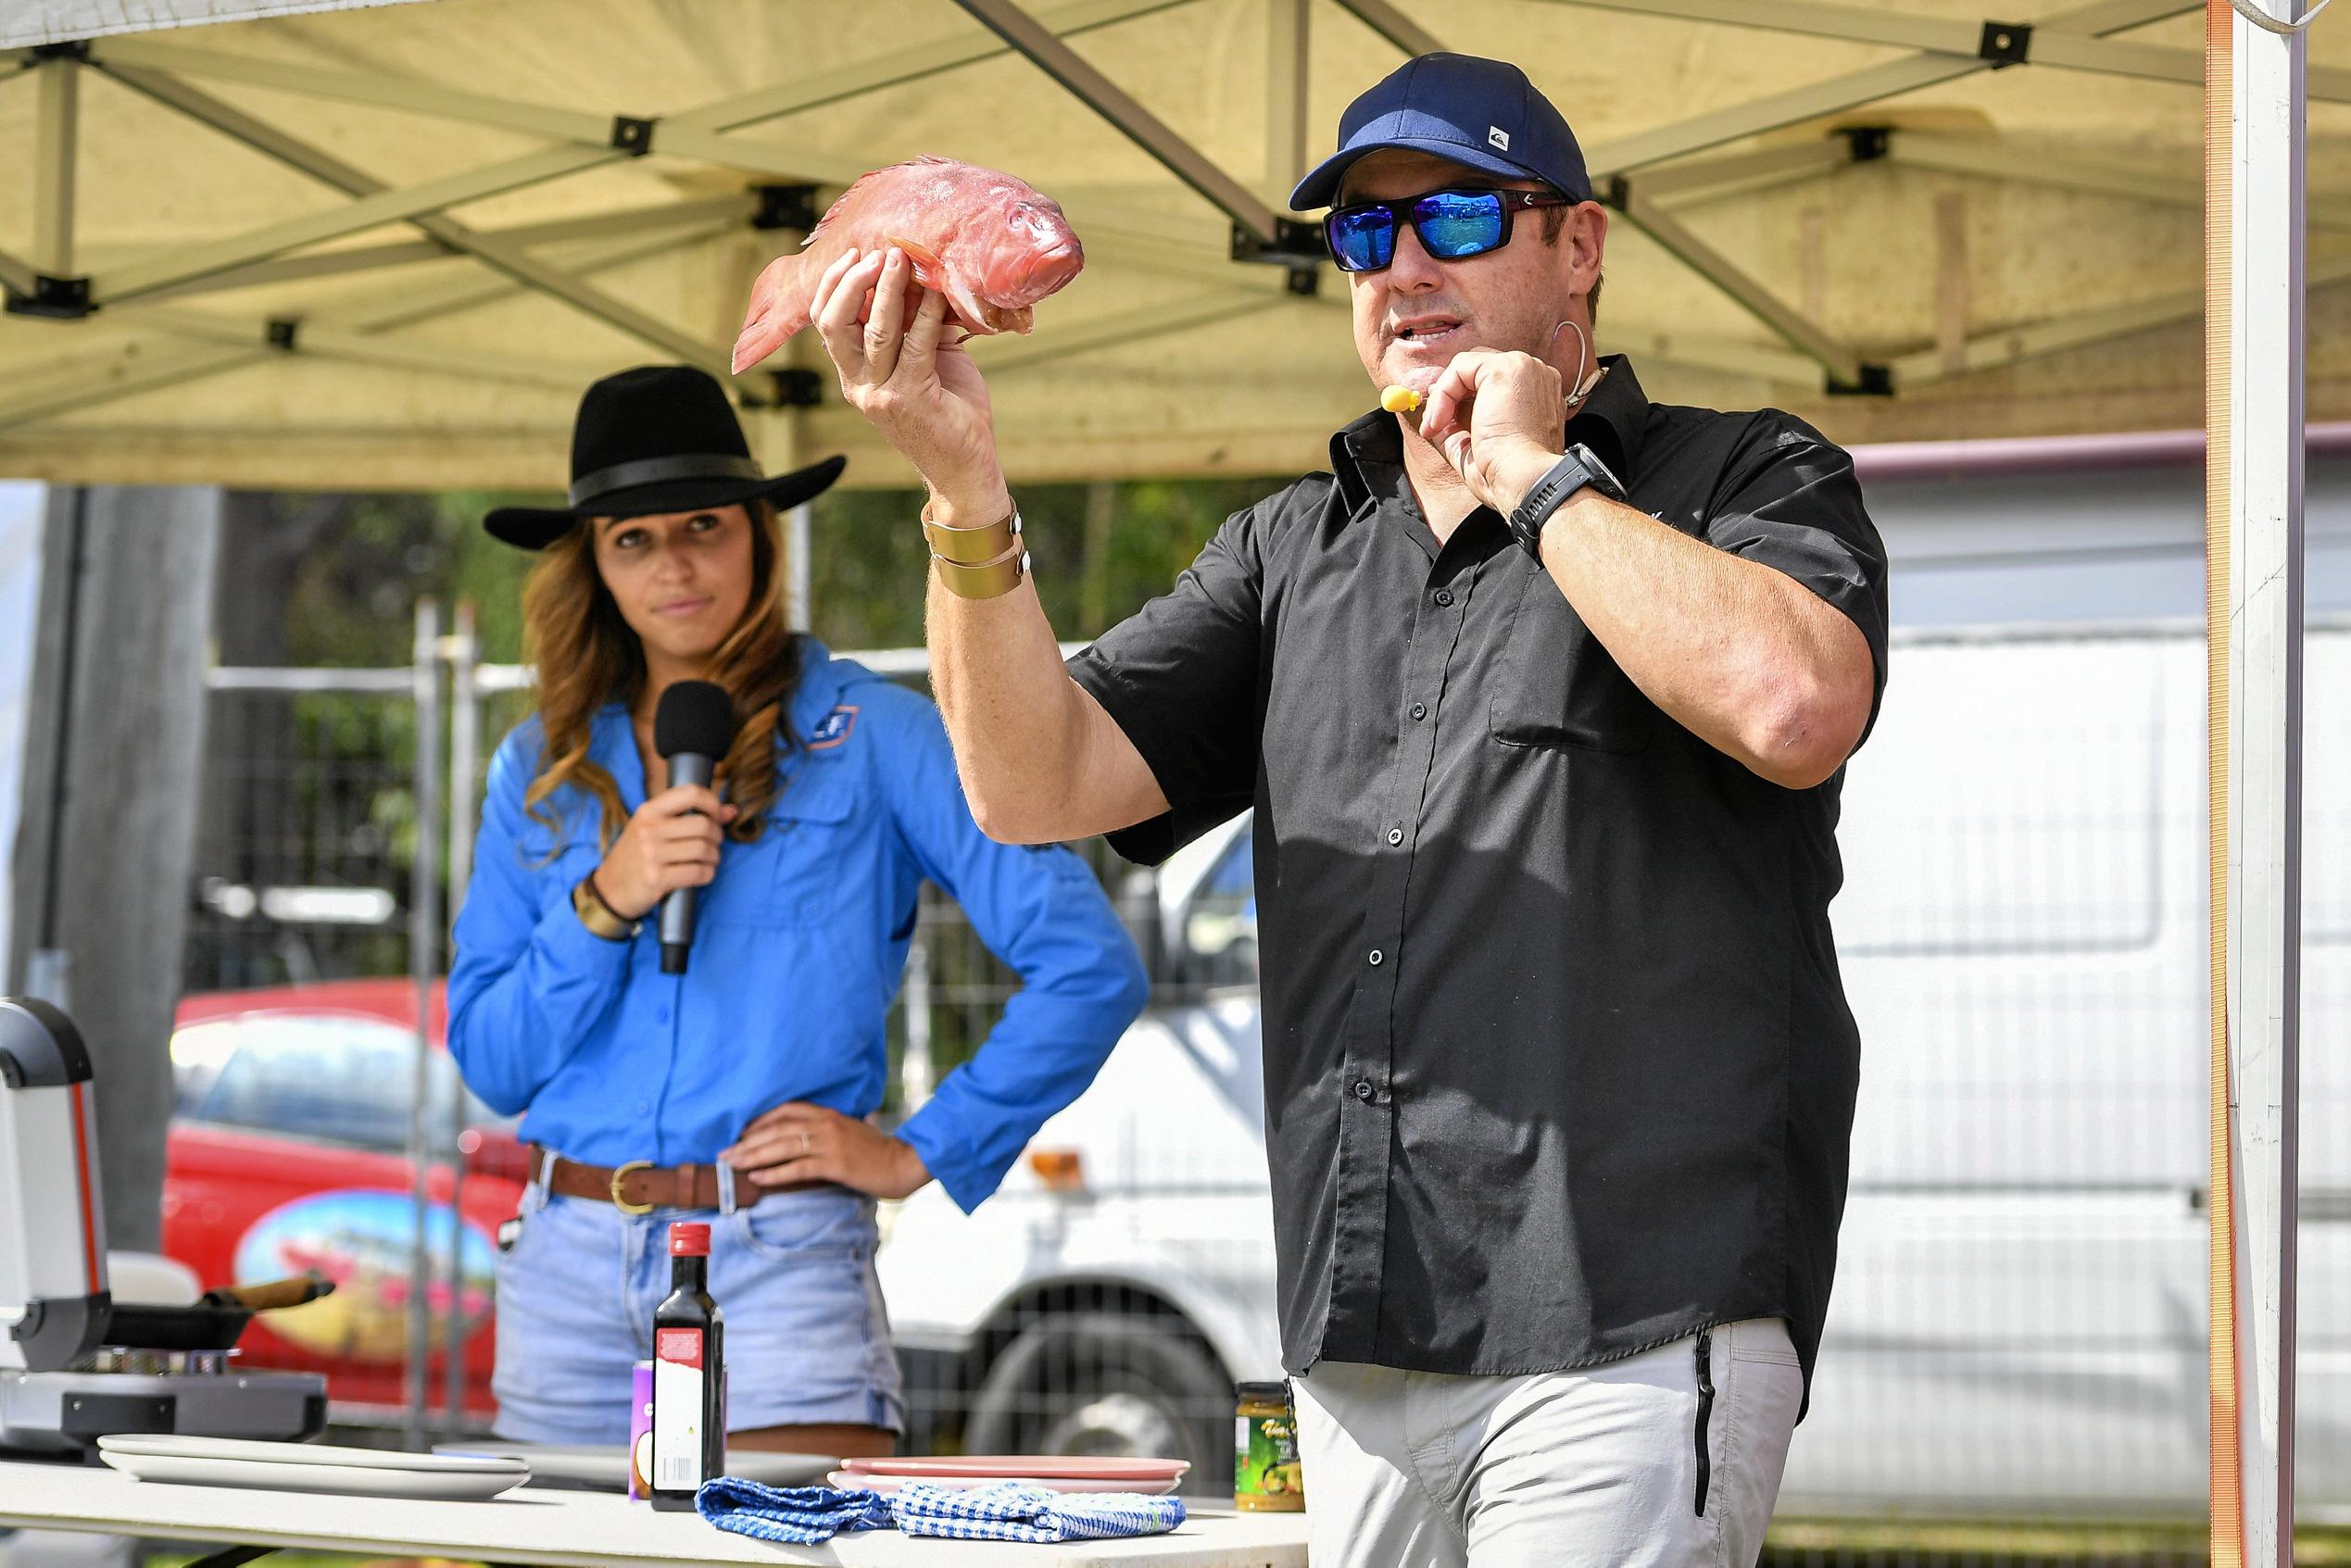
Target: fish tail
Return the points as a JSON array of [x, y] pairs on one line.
[[777, 312]]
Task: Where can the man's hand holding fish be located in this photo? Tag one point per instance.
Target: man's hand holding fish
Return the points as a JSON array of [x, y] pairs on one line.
[[923, 393]]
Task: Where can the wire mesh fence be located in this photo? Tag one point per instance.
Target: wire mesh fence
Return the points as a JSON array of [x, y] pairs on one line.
[[2019, 1331]]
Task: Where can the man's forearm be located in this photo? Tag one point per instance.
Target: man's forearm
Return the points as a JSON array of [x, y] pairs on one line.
[[997, 675], [1040, 760], [1745, 658]]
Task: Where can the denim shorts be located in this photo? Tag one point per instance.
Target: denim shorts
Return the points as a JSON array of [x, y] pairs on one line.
[[807, 1339]]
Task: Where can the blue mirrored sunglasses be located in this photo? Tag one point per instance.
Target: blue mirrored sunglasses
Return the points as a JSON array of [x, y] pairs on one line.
[[1451, 225]]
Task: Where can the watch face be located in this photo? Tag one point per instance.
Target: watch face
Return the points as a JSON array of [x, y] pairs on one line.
[[1596, 473]]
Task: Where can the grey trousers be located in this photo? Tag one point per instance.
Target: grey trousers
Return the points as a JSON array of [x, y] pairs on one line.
[[1595, 1468]]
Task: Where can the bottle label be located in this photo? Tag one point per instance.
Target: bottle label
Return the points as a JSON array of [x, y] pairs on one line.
[[677, 1409]]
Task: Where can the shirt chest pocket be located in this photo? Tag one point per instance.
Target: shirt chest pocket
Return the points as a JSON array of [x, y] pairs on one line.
[[557, 862], [1557, 686], [806, 860]]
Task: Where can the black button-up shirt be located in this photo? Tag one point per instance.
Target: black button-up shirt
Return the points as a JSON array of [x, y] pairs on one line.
[[1557, 1063]]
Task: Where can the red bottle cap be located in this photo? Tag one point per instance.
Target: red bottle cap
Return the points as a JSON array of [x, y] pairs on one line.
[[688, 1240]]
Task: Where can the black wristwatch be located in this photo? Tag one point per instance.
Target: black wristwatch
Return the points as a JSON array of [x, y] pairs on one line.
[[1571, 474]]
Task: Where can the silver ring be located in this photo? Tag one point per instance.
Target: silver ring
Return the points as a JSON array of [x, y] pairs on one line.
[[808, 1145]]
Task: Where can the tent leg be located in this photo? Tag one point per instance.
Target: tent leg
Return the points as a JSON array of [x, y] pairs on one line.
[[2257, 124]]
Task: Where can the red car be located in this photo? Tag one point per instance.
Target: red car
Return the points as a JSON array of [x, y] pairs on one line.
[[286, 1154]]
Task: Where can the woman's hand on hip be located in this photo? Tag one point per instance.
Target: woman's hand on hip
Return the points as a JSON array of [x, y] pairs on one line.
[[670, 842], [808, 1142]]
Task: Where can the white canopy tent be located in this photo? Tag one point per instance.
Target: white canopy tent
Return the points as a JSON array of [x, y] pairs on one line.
[[386, 246], [323, 244]]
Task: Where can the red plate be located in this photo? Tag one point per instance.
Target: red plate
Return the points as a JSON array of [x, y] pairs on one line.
[[1042, 1467]]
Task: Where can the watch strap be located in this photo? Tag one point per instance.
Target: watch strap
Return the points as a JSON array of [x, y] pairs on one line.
[[1577, 467]]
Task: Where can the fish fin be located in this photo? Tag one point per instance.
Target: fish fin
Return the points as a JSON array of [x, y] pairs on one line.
[[929, 270], [967, 305], [842, 201]]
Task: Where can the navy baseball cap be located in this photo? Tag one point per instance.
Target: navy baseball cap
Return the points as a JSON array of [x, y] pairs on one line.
[[1478, 112]]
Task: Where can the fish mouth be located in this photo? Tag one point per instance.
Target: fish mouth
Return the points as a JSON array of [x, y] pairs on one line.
[[1050, 270]]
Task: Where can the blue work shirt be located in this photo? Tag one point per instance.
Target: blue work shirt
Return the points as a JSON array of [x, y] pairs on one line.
[[799, 947]]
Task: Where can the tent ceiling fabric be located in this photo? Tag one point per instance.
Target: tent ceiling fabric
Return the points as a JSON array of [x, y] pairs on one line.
[[427, 202]]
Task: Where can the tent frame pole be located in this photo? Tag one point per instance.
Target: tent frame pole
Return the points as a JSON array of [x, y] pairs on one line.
[[1852, 90], [53, 145], [511, 260], [108, 378], [2257, 410], [409, 253], [1393, 25], [1954, 38], [1032, 39], [1990, 160], [1742, 288], [1289, 73]]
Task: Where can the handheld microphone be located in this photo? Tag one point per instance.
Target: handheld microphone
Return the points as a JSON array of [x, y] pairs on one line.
[[693, 727]]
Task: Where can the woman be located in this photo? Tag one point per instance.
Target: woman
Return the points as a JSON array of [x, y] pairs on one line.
[[740, 1092]]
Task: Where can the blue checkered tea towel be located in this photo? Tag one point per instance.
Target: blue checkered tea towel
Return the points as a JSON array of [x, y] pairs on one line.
[[1013, 1510], [799, 1515]]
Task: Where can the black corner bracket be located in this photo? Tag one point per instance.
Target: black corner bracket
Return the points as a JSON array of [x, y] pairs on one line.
[[633, 137], [1869, 143], [78, 49], [1877, 381], [785, 207], [1296, 245], [795, 388], [60, 299], [283, 331], [2006, 44]]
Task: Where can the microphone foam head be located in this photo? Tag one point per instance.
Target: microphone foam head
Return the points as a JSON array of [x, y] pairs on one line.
[[695, 716]]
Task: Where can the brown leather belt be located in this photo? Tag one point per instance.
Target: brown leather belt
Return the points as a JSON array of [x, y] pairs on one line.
[[639, 1189]]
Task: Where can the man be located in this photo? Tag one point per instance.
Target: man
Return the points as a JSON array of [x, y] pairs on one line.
[[1541, 697]]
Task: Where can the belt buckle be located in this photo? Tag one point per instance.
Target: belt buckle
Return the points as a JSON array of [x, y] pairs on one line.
[[620, 1176]]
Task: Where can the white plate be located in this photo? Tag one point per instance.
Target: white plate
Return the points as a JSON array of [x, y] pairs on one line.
[[248, 1450], [599, 1466], [350, 1480], [863, 1480]]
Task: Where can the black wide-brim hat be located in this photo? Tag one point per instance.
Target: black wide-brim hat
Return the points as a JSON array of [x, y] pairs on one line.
[[660, 438]]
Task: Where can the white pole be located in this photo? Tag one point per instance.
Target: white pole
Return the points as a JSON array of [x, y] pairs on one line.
[[425, 964], [459, 819], [2266, 130], [796, 548]]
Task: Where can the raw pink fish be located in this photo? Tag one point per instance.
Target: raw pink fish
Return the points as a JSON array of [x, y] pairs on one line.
[[986, 240]]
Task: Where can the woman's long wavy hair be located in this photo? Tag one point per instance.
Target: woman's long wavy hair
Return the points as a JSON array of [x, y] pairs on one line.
[[587, 656]]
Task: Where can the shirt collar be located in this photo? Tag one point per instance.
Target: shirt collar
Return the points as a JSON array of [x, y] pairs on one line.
[[1367, 456], [823, 679]]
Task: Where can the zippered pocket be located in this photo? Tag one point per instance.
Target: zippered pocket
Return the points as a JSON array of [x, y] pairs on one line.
[[1706, 1411]]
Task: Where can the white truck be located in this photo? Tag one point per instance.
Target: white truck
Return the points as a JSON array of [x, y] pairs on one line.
[[2019, 1325]]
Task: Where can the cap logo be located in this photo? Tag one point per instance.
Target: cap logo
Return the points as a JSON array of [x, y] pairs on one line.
[[1498, 138]]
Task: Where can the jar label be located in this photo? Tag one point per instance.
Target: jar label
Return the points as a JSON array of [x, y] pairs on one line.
[[1265, 1461]]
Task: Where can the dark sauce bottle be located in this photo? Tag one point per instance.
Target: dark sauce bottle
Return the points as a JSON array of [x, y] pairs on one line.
[[689, 1375]]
